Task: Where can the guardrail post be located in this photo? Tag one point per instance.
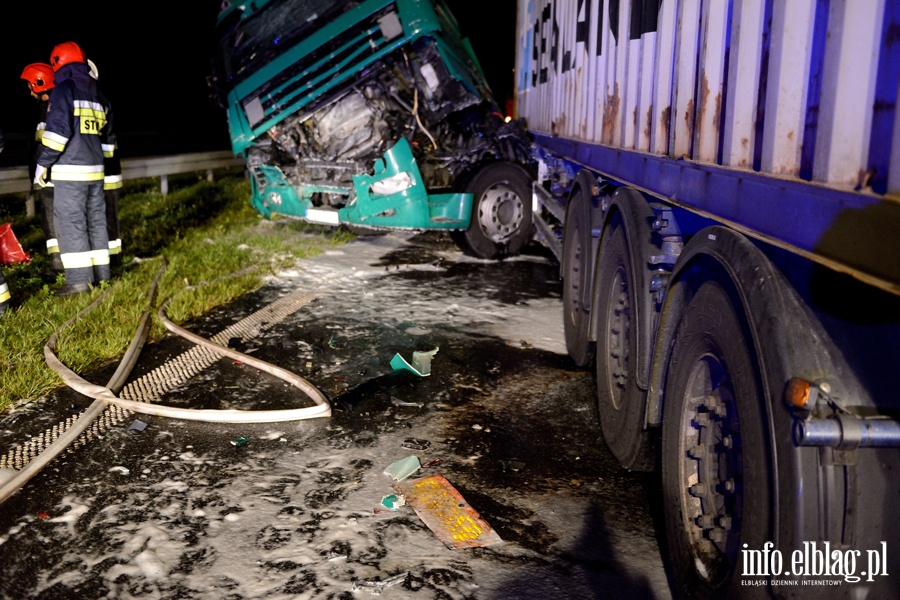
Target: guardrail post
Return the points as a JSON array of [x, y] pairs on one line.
[[163, 185], [29, 205]]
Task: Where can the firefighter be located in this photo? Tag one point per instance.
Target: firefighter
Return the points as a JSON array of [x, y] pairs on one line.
[[78, 134], [39, 78], [112, 183]]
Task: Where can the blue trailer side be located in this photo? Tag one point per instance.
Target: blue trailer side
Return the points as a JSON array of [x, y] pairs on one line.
[[719, 182]]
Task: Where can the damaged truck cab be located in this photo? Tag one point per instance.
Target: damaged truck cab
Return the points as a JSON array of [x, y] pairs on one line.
[[374, 115]]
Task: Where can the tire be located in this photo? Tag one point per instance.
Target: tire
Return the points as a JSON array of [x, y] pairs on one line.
[[715, 462], [577, 280], [501, 212], [620, 400]]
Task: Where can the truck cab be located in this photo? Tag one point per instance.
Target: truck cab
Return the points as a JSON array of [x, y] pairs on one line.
[[374, 115]]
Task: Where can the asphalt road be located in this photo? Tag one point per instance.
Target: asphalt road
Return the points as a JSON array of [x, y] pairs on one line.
[[505, 426]]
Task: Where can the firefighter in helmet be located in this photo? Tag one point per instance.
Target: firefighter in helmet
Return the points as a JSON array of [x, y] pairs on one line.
[[79, 133], [39, 79]]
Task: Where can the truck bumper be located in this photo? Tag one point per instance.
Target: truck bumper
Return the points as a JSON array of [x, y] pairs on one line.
[[393, 197]]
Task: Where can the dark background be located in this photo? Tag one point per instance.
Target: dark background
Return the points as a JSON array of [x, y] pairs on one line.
[[153, 60]]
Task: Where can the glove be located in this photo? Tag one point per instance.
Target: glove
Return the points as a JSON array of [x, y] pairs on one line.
[[40, 176]]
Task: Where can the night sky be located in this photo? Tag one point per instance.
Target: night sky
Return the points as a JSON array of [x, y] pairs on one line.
[[153, 67]]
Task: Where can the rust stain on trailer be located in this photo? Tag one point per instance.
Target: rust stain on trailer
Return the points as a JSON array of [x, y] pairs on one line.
[[704, 99], [647, 126], [665, 121], [701, 113], [610, 115], [718, 112], [688, 121], [558, 126]]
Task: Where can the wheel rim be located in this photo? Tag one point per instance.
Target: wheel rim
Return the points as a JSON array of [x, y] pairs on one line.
[[618, 336], [710, 469], [500, 212]]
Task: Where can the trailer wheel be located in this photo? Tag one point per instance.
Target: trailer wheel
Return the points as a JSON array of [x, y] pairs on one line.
[[577, 280], [501, 212], [714, 459], [620, 400]]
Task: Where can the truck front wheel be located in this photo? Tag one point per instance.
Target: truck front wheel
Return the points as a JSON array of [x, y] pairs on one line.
[[501, 212], [715, 462]]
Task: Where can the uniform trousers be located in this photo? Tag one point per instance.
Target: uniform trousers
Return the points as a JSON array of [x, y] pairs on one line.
[[79, 216]]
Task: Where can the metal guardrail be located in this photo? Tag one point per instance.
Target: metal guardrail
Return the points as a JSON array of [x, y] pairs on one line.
[[14, 180]]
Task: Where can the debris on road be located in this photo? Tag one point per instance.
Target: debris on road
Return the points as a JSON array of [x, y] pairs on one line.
[[376, 587], [399, 402], [403, 468], [447, 514], [393, 502], [421, 362], [415, 444]]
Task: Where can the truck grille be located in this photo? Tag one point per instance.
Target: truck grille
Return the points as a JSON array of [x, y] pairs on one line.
[[313, 75]]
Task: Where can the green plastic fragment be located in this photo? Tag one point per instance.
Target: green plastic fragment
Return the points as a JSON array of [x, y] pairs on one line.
[[403, 468], [421, 362], [393, 501]]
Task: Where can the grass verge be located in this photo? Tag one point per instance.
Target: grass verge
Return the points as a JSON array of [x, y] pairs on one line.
[[198, 233]]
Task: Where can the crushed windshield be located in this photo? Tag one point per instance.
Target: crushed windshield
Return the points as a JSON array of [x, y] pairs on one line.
[[263, 36]]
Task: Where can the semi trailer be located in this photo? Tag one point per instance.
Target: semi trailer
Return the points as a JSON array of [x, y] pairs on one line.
[[719, 180]]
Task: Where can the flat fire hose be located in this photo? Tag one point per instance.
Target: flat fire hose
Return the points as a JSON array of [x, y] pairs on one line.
[[106, 396]]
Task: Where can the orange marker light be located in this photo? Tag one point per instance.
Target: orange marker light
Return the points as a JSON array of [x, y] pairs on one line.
[[797, 392]]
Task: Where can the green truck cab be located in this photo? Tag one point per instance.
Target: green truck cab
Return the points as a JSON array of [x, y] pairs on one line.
[[375, 115]]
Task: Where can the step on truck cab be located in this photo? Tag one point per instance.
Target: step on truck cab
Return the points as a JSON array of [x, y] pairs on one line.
[[372, 114], [719, 180]]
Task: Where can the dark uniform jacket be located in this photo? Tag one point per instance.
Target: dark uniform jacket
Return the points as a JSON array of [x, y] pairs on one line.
[[79, 127]]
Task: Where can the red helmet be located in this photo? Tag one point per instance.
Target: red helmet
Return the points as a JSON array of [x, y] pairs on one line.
[[39, 77], [65, 53]]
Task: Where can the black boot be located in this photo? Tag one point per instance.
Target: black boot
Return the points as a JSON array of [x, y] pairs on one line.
[[73, 288]]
